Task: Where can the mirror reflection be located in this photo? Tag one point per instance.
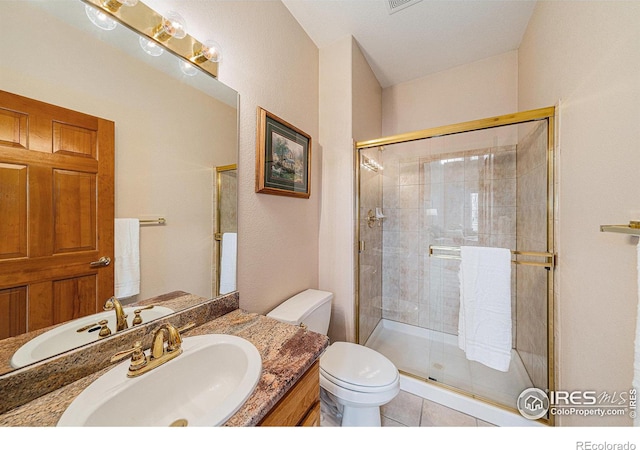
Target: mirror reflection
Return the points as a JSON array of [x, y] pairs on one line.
[[173, 128], [226, 227]]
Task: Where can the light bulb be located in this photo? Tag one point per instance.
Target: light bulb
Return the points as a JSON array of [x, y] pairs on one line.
[[187, 68], [100, 19], [208, 51], [150, 47], [114, 5], [172, 25]]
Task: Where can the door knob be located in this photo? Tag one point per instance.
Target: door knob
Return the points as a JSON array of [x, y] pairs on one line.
[[102, 262]]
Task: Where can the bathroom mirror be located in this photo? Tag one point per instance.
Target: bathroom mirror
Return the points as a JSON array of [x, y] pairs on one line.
[[172, 129]]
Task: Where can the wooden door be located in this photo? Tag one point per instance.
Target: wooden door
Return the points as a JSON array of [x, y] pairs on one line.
[[56, 214]]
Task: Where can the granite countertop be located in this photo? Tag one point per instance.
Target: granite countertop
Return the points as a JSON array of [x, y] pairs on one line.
[[287, 352]]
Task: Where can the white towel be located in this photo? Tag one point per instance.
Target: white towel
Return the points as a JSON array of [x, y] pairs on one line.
[[228, 263], [127, 253], [484, 326], [636, 360]]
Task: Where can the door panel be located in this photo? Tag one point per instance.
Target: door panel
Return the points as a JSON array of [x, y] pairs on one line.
[[13, 304], [74, 140], [56, 211], [13, 128], [73, 298], [13, 204], [40, 308], [74, 205]]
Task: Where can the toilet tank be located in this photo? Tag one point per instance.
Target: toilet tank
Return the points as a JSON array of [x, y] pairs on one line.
[[310, 307]]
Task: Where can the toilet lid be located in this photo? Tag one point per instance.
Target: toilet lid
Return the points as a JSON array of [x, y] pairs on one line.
[[358, 365]]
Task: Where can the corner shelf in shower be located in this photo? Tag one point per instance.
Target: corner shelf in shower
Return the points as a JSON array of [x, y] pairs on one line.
[[632, 228]]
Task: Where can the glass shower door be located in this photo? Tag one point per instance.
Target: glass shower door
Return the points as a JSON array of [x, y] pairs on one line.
[[487, 188]]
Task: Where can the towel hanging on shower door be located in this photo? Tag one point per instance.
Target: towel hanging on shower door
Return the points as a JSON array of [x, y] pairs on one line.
[[484, 325]]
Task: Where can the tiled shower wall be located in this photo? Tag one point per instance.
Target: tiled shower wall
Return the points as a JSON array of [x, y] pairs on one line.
[[449, 199]]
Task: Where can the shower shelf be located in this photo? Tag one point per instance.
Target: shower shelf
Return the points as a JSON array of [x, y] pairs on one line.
[[633, 228]]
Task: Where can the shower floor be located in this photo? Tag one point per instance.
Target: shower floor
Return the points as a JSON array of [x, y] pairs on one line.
[[435, 355]]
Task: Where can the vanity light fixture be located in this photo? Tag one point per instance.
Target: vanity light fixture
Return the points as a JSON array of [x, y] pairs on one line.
[[207, 51], [150, 47], [172, 25], [99, 18], [102, 20], [160, 32]]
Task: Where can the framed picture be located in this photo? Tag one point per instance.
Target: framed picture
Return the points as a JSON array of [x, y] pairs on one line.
[[283, 157]]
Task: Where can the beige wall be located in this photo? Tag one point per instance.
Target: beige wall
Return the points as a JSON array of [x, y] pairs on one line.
[[350, 109], [477, 90], [336, 221], [367, 124], [585, 54], [272, 63]]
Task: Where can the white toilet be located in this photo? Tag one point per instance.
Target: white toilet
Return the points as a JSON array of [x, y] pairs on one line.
[[355, 377]]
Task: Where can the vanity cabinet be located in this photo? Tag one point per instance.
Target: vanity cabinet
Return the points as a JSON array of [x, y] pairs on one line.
[[301, 405]]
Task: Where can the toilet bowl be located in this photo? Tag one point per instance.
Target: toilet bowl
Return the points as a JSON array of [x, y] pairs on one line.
[[360, 380], [355, 377]]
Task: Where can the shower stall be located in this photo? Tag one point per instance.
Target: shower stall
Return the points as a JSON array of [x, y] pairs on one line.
[[420, 197]]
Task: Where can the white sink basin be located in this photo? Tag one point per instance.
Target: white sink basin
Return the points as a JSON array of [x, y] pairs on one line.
[[204, 386], [66, 337]]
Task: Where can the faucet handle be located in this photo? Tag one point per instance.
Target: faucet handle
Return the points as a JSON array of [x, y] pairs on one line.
[[174, 341], [138, 358], [186, 327], [104, 328], [137, 320]]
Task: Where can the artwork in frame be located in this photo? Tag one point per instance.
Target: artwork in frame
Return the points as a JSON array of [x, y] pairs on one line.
[[283, 157]]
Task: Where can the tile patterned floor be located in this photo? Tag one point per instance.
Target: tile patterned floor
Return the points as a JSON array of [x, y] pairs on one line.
[[408, 410]]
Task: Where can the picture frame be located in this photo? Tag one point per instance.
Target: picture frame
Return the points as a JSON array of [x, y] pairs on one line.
[[283, 157]]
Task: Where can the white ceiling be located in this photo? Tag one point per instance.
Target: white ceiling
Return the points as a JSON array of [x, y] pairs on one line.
[[426, 37]]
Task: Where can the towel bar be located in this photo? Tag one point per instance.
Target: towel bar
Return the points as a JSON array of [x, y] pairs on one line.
[[158, 221], [632, 228], [551, 258]]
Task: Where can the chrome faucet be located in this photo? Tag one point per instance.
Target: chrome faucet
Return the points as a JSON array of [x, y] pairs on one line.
[[121, 318]]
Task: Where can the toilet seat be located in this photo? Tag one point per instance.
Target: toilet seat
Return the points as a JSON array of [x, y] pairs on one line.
[[358, 388], [358, 368]]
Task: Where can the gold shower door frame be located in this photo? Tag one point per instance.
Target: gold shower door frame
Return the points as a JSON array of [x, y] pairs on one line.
[[548, 114]]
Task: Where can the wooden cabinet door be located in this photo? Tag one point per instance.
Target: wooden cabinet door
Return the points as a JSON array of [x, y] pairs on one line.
[[56, 213], [300, 406]]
